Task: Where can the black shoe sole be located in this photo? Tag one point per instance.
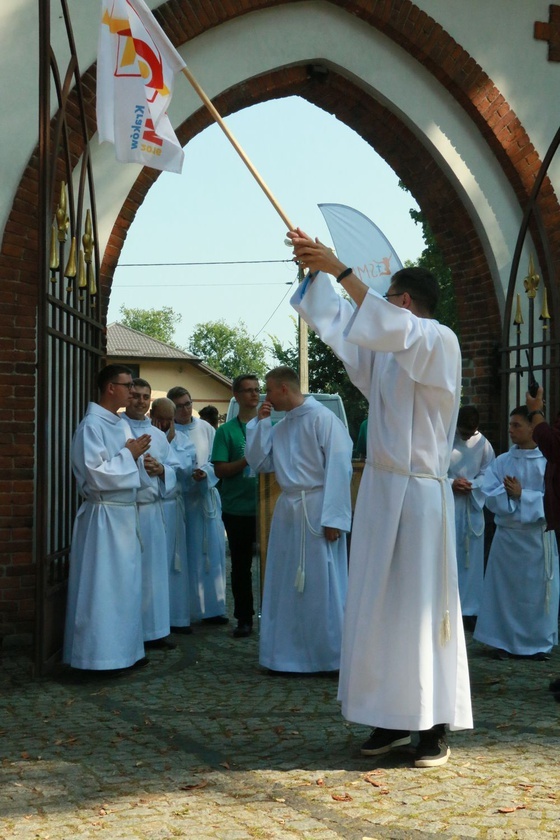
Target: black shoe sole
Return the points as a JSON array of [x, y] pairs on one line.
[[432, 761], [398, 742]]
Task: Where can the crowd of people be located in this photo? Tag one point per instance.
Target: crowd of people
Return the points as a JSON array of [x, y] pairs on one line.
[[161, 489], [148, 547]]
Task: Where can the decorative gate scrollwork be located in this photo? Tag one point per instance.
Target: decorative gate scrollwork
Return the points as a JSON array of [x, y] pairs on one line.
[[533, 342]]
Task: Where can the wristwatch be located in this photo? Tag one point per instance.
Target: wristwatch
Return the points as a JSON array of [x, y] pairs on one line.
[[532, 414]]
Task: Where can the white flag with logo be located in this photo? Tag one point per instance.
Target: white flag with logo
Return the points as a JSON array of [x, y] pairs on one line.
[[360, 244], [136, 64]]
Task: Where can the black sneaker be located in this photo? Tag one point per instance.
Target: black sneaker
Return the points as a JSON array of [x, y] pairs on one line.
[[183, 631], [160, 644], [432, 749], [242, 631], [384, 740]]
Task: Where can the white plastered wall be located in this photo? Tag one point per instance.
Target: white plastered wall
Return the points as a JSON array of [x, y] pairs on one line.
[[319, 31]]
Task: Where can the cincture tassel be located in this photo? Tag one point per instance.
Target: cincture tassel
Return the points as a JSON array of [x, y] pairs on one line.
[[445, 629]]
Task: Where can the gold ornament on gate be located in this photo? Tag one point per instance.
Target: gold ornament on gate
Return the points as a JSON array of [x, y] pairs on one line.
[[71, 267], [82, 279], [531, 282], [545, 314], [88, 243], [518, 320], [62, 220], [54, 260]]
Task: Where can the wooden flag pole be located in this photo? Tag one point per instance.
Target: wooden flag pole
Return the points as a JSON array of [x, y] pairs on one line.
[[237, 148]]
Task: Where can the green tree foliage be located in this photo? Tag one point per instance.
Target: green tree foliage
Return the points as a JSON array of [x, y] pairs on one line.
[[157, 323], [230, 350], [326, 376]]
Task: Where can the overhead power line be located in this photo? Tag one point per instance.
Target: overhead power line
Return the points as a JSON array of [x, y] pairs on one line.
[[195, 285], [216, 262]]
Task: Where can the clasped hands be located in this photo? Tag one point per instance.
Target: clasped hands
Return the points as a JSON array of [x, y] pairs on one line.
[[461, 485], [512, 487], [137, 446]]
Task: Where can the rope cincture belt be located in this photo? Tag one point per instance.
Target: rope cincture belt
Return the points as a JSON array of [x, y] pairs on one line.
[[210, 508], [122, 504], [299, 582], [445, 627], [180, 522], [548, 536]]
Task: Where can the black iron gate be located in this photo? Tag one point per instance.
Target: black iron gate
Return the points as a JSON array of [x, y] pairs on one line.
[[530, 335], [70, 335]]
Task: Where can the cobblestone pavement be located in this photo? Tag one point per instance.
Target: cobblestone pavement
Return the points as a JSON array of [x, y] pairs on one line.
[[203, 744]]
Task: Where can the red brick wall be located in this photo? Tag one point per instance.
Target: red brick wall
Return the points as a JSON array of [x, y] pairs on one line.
[[425, 40], [18, 300]]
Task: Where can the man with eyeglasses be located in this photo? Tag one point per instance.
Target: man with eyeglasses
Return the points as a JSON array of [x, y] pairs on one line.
[[104, 612], [404, 664], [160, 465], [205, 531], [238, 491]]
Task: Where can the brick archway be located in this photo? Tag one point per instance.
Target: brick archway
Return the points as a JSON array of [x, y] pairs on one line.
[[452, 67], [388, 135]]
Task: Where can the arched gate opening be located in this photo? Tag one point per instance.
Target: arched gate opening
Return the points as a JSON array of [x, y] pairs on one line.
[[54, 370]]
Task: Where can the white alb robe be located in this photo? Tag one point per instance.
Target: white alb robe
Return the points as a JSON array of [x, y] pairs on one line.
[[470, 459], [175, 520], [397, 671], [104, 610], [206, 545], [519, 607], [306, 575], [155, 577]]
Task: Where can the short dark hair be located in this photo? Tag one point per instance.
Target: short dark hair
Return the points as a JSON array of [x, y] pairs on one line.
[[236, 384], [108, 373], [209, 413], [468, 417], [420, 284], [284, 374], [522, 410], [177, 392], [141, 383]]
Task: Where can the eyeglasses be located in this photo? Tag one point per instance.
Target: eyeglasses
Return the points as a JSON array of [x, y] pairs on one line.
[[249, 391], [392, 294], [124, 384], [183, 405]]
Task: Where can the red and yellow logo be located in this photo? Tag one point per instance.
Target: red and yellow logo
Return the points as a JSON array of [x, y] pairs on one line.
[[136, 56]]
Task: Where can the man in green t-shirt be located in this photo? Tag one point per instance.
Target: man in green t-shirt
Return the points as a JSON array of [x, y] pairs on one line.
[[238, 489]]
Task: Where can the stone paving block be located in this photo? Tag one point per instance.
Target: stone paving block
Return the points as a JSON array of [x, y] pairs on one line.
[[203, 744]]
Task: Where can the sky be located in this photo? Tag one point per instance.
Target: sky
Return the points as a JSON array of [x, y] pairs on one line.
[[216, 213]]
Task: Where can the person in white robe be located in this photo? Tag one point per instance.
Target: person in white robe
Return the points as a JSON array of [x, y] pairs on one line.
[[160, 466], [162, 413], [104, 610], [404, 664], [471, 455], [519, 607], [306, 574], [206, 546]]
